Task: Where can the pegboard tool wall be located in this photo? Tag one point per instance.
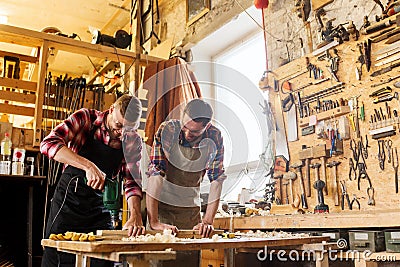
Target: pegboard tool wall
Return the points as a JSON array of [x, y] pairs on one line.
[[382, 181]]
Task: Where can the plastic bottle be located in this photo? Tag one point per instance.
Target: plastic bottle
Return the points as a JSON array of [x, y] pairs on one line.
[[5, 164], [30, 168], [17, 166]]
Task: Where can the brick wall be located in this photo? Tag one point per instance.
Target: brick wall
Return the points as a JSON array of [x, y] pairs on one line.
[[283, 25]]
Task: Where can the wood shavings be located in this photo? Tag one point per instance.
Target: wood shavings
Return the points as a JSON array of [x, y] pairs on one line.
[[215, 238], [73, 236], [165, 237], [273, 234]]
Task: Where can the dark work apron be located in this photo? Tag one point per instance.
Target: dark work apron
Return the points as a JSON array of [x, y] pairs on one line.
[[180, 198], [83, 210]]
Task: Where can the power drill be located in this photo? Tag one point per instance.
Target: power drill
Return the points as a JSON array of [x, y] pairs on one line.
[[111, 199]]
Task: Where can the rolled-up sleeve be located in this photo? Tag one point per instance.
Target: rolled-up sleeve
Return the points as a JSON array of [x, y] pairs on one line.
[[162, 142], [132, 144], [71, 131], [215, 166]]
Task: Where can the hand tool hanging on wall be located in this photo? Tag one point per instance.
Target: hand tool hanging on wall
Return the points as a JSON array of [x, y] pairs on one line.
[[354, 200], [361, 60], [370, 193], [386, 81], [380, 25], [367, 52], [290, 177], [388, 60], [298, 167], [333, 165], [381, 154], [321, 207], [395, 165], [387, 54], [362, 175], [278, 177], [285, 184], [385, 34], [352, 170], [386, 69], [392, 47], [388, 145], [364, 147], [345, 195], [273, 112]]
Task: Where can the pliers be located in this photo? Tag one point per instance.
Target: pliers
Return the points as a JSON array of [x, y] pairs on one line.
[[354, 200], [352, 170], [344, 195]]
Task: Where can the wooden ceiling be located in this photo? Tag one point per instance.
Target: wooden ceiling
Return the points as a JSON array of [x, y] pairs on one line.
[[72, 16]]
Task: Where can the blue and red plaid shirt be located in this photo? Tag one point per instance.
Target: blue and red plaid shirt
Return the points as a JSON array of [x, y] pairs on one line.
[[75, 130], [170, 133]]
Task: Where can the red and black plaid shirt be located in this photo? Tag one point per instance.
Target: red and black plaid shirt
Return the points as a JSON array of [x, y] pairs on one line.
[[74, 132], [170, 132]]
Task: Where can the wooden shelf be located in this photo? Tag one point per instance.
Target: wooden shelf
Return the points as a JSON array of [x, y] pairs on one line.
[[44, 41], [18, 84], [351, 219]]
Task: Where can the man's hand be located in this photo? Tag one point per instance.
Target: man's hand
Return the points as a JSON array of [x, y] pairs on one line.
[[204, 229], [134, 228], [162, 226], [95, 177]]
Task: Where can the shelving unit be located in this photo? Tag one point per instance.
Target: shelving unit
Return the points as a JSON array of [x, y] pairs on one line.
[[34, 92]]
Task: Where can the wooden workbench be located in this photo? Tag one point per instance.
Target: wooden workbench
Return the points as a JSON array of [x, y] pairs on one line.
[[130, 250]]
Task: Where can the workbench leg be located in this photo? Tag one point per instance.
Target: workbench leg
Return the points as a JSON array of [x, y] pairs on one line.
[[229, 260], [364, 263], [322, 259], [82, 261]]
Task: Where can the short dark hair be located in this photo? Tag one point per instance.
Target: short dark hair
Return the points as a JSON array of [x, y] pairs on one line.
[[199, 111], [130, 107]]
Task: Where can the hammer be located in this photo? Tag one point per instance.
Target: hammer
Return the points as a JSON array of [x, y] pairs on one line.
[[298, 167], [323, 170], [285, 183], [333, 165], [290, 176], [279, 176]]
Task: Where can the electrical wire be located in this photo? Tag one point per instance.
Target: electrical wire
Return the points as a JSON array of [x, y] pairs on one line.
[[261, 27], [63, 202], [119, 61]]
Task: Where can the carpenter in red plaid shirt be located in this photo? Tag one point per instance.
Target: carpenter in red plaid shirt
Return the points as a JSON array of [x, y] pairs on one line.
[[91, 144]]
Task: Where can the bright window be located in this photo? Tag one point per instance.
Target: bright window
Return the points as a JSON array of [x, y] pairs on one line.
[[237, 110]]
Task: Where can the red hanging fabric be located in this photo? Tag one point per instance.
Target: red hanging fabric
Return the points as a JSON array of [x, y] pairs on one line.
[[170, 86]]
